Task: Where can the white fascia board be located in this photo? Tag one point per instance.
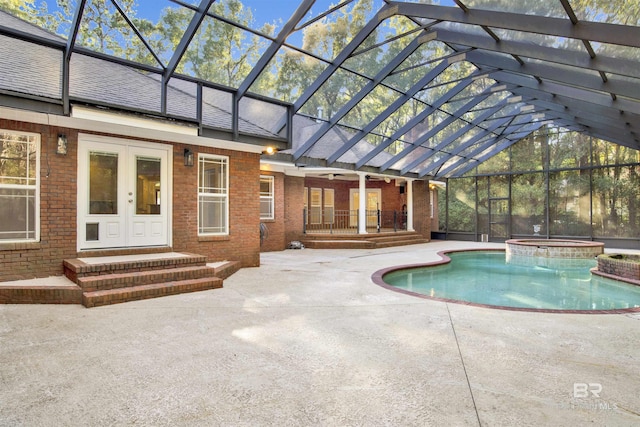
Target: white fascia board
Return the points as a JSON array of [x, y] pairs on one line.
[[283, 167], [151, 129]]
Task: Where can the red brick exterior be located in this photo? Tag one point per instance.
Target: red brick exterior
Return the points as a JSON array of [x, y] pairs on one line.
[[294, 205], [243, 242], [290, 204], [58, 200], [275, 236], [626, 266], [422, 208], [58, 193], [391, 197]]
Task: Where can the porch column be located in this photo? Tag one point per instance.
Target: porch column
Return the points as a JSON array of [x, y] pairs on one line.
[[362, 204], [410, 205]]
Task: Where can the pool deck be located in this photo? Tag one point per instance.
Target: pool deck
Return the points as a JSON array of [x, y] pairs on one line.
[[308, 339]]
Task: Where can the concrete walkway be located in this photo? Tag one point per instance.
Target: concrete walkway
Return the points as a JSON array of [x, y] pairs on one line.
[[308, 340]]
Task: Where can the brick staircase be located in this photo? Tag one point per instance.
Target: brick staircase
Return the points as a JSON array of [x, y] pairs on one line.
[[113, 280], [362, 241]]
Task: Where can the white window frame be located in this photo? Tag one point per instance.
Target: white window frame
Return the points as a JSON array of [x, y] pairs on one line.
[[431, 197], [267, 197], [315, 210], [35, 185], [329, 199], [222, 196]]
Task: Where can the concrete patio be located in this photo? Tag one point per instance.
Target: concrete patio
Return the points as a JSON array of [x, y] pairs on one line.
[[307, 339]]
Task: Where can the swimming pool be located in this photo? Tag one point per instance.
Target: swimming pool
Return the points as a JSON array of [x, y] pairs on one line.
[[485, 278]]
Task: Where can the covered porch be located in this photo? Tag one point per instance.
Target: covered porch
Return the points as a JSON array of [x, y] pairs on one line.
[[356, 204]]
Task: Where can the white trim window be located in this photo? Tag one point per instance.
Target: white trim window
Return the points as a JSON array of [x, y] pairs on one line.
[[329, 205], [213, 195], [266, 197], [431, 198], [315, 210], [19, 186]]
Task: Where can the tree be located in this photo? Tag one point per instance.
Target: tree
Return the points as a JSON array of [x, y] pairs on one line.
[[26, 10]]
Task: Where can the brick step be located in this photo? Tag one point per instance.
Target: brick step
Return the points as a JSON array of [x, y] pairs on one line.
[[401, 243], [40, 294], [355, 236], [135, 293], [225, 269], [338, 244], [138, 278], [368, 241], [82, 267], [396, 237]]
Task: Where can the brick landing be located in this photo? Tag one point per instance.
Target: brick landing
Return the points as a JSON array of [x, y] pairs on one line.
[[96, 281]]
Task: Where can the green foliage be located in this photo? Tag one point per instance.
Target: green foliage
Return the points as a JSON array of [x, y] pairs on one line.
[[594, 186], [27, 10]]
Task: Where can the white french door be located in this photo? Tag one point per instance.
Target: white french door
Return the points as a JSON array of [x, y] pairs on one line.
[[373, 198], [123, 193]]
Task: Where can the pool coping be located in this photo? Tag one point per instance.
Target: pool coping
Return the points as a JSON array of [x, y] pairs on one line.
[[377, 278]]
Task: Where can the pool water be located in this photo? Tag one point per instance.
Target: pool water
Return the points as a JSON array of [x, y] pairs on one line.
[[486, 278]]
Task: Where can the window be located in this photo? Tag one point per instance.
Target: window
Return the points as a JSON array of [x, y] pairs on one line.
[[431, 198], [266, 197], [329, 205], [213, 195], [19, 186], [315, 213]]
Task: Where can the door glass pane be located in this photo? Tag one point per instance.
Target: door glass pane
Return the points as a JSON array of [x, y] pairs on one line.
[[147, 186], [103, 183], [315, 215], [372, 208], [329, 205]]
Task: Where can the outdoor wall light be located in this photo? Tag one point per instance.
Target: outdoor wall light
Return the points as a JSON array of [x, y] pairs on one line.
[[62, 144], [188, 157], [269, 150]]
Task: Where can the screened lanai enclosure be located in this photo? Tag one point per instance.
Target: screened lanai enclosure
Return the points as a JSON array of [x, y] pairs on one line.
[[527, 111], [554, 183]]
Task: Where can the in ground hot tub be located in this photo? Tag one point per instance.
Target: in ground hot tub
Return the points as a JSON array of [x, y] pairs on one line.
[[553, 248]]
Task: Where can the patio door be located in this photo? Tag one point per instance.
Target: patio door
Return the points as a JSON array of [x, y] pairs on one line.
[[498, 219], [123, 194], [372, 204]]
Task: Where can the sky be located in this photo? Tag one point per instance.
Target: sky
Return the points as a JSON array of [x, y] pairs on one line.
[[264, 10], [275, 12]]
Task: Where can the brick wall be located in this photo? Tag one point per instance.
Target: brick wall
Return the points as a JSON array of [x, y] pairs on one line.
[[422, 208], [293, 206], [392, 199], [243, 242], [275, 238], [57, 213], [58, 199], [627, 266]]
